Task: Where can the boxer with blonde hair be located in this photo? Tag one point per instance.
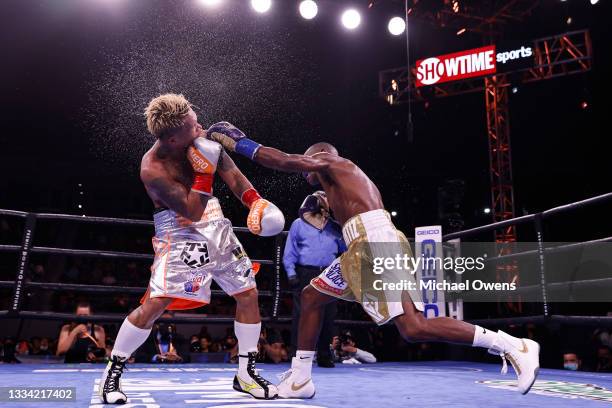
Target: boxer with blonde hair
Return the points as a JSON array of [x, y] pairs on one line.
[[194, 243]]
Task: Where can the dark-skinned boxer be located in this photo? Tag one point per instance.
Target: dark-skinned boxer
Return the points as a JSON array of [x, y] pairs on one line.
[[358, 206]]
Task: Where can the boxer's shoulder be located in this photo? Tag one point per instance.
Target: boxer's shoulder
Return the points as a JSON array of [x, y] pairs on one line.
[[151, 169]]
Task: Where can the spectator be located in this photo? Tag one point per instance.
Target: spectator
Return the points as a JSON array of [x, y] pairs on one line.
[[271, 348], [37, 273], [82, 342], [194, 344], [8, 351], [314, 241], [604, 360], [572, 362], [345, 350], [162, 345], [205, 343], [230, 345], [34, 345], [43, 347], [215, 347], [22, 348]]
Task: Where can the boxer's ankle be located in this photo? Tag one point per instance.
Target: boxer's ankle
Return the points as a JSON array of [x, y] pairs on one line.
[[484, 338], [302, 362]]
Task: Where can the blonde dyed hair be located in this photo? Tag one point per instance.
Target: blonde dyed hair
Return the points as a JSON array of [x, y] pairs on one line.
[[166, 113]]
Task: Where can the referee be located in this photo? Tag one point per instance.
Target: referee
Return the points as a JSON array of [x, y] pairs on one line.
[[314, 241]]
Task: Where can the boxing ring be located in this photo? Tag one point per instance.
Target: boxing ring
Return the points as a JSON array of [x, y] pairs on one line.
[[432, 384], [428, 384]]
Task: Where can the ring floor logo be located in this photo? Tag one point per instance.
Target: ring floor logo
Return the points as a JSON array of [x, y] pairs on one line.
[[561, 389]]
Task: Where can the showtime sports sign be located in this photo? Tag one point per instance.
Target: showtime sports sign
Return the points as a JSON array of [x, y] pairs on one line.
[[466, 64]]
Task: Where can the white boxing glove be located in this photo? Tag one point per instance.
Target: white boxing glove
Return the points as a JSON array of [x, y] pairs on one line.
[[204, 156], [264, 219]]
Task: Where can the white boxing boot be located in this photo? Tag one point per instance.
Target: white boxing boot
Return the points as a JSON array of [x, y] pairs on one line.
[[524, 354], [296, 382]]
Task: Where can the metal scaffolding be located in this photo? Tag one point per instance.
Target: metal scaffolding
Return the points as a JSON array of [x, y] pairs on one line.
[[556, 56]]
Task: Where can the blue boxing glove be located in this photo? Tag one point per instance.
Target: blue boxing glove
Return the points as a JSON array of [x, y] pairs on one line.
[[232, 139]]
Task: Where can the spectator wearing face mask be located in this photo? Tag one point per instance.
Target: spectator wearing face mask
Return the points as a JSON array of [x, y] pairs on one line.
[[572, 362], [40, 346], [194, 344]]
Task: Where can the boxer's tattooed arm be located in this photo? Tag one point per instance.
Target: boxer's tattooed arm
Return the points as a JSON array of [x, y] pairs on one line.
[[232, 176], [292, 163], [173, 195]]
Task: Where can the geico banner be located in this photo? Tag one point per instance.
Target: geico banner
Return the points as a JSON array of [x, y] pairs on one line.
[[452, 249], [471, 63], [428, 246]]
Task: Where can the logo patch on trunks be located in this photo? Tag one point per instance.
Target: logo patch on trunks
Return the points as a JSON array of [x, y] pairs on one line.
[[193, 285], [239, 253], [195, 254], [334, 275]]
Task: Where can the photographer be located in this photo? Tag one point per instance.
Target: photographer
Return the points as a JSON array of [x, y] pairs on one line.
[[162, 344], [82, 342], [344, 350], [271, 347]]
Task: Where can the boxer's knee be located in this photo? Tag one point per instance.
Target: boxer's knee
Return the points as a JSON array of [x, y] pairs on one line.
[[312, 298], [145, 315], [247, 298]]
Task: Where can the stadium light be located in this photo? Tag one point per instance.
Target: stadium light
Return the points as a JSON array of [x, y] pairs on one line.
[[261, 6], [351, 19], [396, 26], [308, 9]]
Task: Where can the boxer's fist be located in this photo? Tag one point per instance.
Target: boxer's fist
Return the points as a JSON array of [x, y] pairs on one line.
[[233, 139], [264, 218], [204, 156]]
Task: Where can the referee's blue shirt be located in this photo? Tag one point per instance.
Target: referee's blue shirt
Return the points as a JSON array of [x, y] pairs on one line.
[[307, 245]]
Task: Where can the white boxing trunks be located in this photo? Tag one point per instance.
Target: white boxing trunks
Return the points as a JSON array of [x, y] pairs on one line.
[[189, 256], [350, 277]]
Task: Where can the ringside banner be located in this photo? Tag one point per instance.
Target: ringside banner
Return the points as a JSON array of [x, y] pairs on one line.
[[428, 246]]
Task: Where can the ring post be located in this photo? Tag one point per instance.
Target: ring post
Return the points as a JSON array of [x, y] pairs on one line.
[[278, 247], [24, 260]]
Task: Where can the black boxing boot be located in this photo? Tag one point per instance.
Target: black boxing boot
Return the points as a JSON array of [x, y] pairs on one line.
[[254, 384], [110, 385]]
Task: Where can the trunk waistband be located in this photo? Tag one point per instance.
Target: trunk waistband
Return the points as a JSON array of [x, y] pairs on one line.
[[166, 219], [359, 225]]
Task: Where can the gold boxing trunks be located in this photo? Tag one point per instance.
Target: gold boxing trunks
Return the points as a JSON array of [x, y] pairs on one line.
[[350, 277]]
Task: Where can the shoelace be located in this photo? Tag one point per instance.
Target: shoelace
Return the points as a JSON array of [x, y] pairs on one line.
[[285, 375], [504, 369], [114, 376], [255, 374]]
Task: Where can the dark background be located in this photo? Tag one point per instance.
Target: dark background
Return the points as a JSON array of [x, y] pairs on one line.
[[78, 74]]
